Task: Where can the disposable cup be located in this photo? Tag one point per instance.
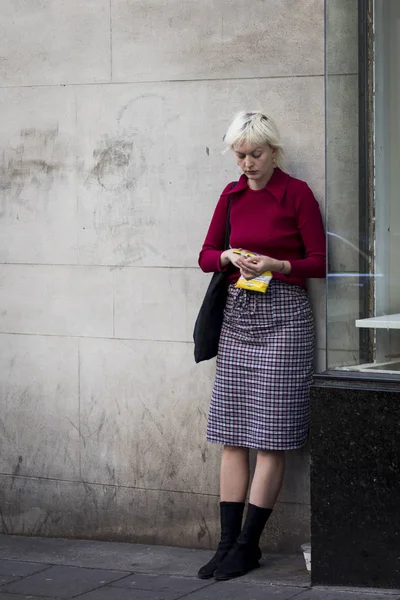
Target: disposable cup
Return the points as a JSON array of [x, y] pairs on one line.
[[307, 555]]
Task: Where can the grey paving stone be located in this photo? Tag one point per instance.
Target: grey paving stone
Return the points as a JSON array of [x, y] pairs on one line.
[[321, 594], [234, 590], [25, 597], [64, 582], [113, 593], [280, 569], [8, 579], [161, 583], [39, 550], [99, 555], [19, 569], [161, 560], [161, 572]]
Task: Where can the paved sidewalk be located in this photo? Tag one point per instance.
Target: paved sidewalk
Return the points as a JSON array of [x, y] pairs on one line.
[[55, 569]]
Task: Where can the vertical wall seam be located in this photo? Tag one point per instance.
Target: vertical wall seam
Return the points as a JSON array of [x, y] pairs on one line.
[[111, 42], [76, 179], [113, 304], [79, 412]]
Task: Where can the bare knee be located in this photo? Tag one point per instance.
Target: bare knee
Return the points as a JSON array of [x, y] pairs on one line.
[[275, 456], [235, 451]]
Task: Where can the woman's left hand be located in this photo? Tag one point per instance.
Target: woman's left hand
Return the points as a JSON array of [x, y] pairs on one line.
[[256, 265]]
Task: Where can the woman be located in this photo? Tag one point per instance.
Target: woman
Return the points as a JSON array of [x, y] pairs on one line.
[[264, 370]]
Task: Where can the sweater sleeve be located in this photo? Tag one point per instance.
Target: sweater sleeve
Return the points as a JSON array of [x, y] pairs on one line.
[[209, 258], [311, 228]]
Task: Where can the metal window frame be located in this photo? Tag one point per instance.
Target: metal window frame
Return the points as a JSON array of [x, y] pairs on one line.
[[366, 206], [366, 172]]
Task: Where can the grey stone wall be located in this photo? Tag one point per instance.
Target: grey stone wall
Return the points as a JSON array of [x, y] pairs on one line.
[[113, 113]]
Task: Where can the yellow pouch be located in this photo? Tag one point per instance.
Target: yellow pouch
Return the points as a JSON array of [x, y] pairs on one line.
[[258, 284]]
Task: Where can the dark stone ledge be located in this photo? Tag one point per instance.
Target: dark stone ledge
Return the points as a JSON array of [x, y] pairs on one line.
[[357, 380], [355, 482]]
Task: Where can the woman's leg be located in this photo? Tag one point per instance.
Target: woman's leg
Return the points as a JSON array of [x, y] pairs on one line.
[[265, 488], [234, 484], [235, 472], [268, 478]]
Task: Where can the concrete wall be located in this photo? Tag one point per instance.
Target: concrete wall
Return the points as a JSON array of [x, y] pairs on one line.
[[113, 115]]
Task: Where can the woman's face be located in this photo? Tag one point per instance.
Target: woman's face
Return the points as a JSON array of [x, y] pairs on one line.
[[256, 161]]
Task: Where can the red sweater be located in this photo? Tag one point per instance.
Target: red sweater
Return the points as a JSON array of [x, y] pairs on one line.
[[282, 221]]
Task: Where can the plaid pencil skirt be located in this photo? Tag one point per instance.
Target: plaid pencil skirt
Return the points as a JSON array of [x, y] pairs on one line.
[[264, 369]]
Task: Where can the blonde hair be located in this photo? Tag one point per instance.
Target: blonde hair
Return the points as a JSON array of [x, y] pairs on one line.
[[255, 128]]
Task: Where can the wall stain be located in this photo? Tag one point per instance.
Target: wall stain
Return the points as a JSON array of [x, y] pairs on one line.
[[204, 531], [126, 207], [121, 216], [14, 172], [28, 171], [172, 471], [111, 473], [46, 135], [4, 526], [113, 164], [17, 468]]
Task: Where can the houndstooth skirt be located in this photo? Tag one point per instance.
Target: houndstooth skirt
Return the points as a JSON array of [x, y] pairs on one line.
[[264, 369]]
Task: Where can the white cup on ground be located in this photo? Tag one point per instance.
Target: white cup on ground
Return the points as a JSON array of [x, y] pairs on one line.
[[307, 555]]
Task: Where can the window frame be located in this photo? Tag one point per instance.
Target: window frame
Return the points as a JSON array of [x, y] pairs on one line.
[[366, 67]]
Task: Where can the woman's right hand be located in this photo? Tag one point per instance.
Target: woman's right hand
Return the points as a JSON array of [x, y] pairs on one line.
[[228, 256]]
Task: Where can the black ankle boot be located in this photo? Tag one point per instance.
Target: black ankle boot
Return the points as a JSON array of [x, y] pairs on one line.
[[231, 514], [244, 555]]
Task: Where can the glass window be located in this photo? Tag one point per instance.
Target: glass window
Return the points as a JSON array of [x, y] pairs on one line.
[[363, 185]]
